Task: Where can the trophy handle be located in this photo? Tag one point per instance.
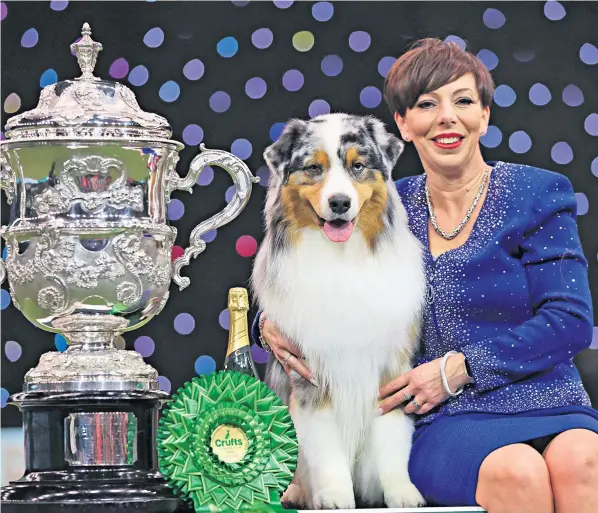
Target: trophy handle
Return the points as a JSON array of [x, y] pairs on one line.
[[242, 178], [8, 182]]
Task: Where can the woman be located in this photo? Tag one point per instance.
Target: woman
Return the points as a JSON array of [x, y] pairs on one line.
[[503, 418]]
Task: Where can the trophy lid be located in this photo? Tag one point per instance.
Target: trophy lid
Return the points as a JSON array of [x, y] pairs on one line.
[[87, 107]]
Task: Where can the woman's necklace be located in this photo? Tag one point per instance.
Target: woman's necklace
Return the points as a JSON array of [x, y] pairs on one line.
[[459, 228]]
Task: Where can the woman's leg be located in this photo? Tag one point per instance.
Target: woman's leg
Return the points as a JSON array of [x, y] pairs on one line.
[[572, 461], [514, 478]]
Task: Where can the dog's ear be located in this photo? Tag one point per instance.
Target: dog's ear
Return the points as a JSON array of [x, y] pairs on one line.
[[390, 145], [279, 154]]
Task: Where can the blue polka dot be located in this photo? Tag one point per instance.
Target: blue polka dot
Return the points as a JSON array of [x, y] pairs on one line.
[[170, 91], [493, 18], [489, 58], [539, 94], [224, 319], [206, 176], [583, 205], [457, 40], [154, 37], [322, 11], [370, 97], [275, 131], [504, 96], [176, 209], [4, 253], [241, 148], [227, 47], [220, 102], [594, 167], [520, 142], [4, 299], [554, 11], [492, 138], [48, 77], [60, 342], [205, 365], [209, 236], [385, 64], [4, 396], [138, 75], [229, 194], [30, 38], [561, 153]]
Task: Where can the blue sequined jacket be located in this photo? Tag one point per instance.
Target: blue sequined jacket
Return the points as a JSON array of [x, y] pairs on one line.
[[514, 298]]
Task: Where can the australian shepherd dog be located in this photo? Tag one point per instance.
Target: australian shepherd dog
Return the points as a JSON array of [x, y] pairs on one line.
[[341, 276]]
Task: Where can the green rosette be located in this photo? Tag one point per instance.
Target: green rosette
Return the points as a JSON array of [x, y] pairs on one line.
[[189, 436]]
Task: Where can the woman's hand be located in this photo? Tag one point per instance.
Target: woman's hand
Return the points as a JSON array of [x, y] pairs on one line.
[[287, 353], [422, 386]]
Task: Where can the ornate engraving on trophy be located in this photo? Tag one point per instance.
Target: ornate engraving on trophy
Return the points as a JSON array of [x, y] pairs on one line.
[[90, 172], [8, 179]]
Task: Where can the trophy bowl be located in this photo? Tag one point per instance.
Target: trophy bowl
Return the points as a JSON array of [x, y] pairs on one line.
[[88, 177]]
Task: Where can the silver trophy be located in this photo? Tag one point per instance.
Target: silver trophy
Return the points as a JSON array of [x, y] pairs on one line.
[[88, 176]]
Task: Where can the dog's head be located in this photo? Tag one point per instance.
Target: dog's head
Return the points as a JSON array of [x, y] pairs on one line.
[[333, 172]]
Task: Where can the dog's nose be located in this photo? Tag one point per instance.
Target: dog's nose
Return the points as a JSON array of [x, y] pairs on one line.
[[339, 203]]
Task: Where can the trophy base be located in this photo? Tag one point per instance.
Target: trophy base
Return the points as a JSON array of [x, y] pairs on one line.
[[90, 452], [63, 492]]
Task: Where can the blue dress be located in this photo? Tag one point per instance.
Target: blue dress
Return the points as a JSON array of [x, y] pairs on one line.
[[515, 299]]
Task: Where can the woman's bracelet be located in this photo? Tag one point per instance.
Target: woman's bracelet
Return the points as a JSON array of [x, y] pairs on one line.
[[263, 340], [443, 375]]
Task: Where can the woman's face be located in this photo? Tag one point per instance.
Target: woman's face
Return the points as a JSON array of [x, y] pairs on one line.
[[445, 125]]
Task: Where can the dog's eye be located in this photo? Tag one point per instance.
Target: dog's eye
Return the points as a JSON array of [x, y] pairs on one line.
[[358, 167], [313, 168]]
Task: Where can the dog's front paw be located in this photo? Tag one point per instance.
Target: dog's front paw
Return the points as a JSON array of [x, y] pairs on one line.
[[334, 498], [293, 497], [404, 495]]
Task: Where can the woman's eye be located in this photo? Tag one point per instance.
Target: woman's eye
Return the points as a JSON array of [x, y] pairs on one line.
[[464, 101], [425, 104], [358, 166]]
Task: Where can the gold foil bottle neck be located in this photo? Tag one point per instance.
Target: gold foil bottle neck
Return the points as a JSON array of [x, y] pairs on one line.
[[238, 331], [238, 299]]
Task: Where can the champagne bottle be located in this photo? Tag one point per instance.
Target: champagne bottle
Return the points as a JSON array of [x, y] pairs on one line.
[[238, 354]]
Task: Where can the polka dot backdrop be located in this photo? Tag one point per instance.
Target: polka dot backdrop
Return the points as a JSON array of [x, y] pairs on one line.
[[232, 83]]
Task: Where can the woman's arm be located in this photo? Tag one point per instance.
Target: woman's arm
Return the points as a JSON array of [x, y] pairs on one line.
[[556, 271]]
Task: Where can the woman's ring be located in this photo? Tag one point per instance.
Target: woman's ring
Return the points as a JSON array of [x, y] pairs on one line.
[[407, 396], [286, 360], [416, 404]]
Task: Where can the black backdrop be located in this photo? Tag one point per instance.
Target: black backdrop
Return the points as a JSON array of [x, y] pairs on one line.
[[525, 43]]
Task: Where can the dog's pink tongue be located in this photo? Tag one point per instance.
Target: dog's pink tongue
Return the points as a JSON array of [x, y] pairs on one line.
[[338, 233]]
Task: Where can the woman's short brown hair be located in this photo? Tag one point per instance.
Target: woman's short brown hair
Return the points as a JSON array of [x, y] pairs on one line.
[[432, 63]]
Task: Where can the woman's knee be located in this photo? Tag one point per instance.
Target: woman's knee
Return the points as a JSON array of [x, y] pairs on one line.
[[572, 458], [513, 471]]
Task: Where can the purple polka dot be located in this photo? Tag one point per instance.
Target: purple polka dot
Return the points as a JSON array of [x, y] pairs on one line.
[[164, 384], [119, 68], [275, 130], [220, 101], [184, 323], [590, 124], [255, 87], [57, 5], [385, 64], [209, 236], [504, 96], [192, 135], [139, 75], [561, 153], [205, 176], [539, 94], [572, 96], [493, 18], [594, 167], [370, 97], [13, 350], [593, 345], [554, 11], [520, 142], [241, 148], [359, 41], [322, 11], [145, 346], [283, 4], [524, 55], [492, 138], [264, 174], [224, 319], [3, 11], [240, 3], [194, 69], [588, 54], [318, 107], [583, 204], [457, 40], [154, 37], [259, 355], [332, 65], [293, 80], [176, 209], [30, 38], [262, 38], [229, 194], [489, 58]]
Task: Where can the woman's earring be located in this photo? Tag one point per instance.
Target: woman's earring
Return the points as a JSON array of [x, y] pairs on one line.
[[406, 138], [482, 132]]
